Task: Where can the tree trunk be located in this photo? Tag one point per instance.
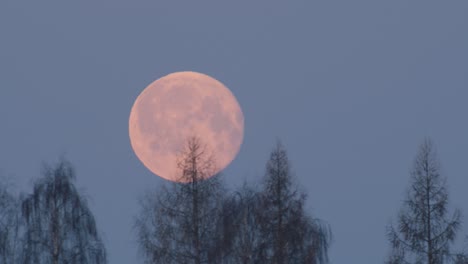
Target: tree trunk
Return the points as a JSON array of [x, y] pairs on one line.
[[195, 212], [428, 217]]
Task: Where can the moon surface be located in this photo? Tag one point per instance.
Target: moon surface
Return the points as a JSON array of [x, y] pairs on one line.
[[179, 106]]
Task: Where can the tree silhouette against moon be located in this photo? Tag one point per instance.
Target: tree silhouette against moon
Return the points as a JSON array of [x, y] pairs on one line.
[[179, 106]]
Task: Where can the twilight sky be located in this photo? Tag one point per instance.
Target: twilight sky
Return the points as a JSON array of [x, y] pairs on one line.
[[350, 87]]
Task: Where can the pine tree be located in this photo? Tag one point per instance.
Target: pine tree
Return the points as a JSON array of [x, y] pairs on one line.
[[424, 230]]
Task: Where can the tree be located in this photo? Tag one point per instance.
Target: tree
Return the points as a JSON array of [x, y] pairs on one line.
[[59, 226], [462, 256], [181, 223], [241, 217], [461, 259], [10, 223], [424, 232], [289, 234]]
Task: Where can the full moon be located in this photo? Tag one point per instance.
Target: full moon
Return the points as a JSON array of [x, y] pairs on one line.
[[179, 106]]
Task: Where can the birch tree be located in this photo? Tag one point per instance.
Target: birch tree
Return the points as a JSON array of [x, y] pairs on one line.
[[59, 226], [10, 224]]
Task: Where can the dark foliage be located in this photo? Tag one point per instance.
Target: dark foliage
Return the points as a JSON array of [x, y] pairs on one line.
[[10, 223], [196, 222], [59, 226], [288, 233], [424, 230], [181, 223]]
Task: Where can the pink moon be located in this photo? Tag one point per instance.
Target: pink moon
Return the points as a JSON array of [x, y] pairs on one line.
[[178, 106]]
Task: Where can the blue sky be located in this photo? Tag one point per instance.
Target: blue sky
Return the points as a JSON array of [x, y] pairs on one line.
[[350, 87]]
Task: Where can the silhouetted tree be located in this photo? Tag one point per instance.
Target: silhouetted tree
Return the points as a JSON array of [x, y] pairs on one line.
[[424, 231], [194, 222], [10, 223], [461, 259], [241, 217], [59, 226], [181, 223], [288, 234]]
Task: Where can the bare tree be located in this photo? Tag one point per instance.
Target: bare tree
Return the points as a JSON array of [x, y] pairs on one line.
[[194, 222], [59, 226], [289, 235], [424, 231], [241, 217], [181, 223], [10, 223], [461, 259]]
